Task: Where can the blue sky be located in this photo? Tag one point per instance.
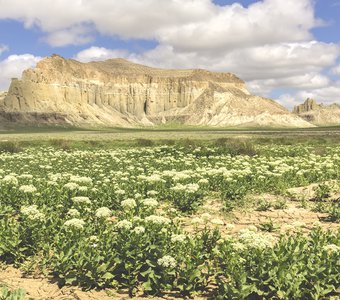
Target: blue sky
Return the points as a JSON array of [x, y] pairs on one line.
[[287, 50]]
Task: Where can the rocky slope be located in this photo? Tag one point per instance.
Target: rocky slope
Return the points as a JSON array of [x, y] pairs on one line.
[[118, 92], [2, 96], [318, 114]]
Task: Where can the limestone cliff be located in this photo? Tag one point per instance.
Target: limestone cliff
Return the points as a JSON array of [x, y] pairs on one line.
[[118, 92], [2, 96], [318, 114]]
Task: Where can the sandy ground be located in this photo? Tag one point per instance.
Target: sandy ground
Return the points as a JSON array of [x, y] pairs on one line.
[[294, 213], [46, 289]]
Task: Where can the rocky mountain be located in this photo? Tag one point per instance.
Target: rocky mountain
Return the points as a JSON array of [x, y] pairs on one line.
[[117, 92], [2, 96], [318, 114]]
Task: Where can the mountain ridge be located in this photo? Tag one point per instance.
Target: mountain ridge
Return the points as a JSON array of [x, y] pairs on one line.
[[117, 92]]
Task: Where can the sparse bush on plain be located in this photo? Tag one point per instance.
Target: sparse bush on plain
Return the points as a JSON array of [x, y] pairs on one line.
[[235, 146], [62, 144], [10, 147], [144, 143]]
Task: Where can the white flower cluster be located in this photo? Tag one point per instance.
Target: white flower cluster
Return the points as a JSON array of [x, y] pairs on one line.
[[10, 179], [159, 220], [216, 221], [178, 238], [167, 261], [71, 186], [124, 224], [331, 248], [203, 181], [128, 204], [26, 176], [154, 178], [150, 202], [139, 230], [28, 189], [81, 180], [188, 188], [32, 212], [152, 193], [252, 239], [197, 220], [179, 176], [120, 192], [103, 212], [73, 212], [83, 188], [75, 223], [238, 246], [81, 200]]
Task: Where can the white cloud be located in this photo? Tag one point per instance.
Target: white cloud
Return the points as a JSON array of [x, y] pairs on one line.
[[282, 59], [290, 100], [128, 19], [336, 70], [197, 25], [13, 66], [326, 95], [3, 48], [253, 63], [234, 26], [305, 81], [99, 53], [76, 35]]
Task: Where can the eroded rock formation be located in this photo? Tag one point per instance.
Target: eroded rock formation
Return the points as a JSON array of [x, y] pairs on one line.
[[118, 92], [318, 114]]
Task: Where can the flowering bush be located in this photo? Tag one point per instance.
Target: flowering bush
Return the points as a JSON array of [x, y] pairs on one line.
[[111, 218]]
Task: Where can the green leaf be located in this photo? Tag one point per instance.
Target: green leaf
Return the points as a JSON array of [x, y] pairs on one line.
[[89, 274], [102, 268], [107, 276], [148, 271], [281, 294], [147, 286], [70, 279]]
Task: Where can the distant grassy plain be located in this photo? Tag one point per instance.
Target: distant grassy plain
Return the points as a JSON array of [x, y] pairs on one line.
[[84, 138]]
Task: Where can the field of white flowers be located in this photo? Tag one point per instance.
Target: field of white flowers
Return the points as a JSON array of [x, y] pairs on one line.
[[112, 218]]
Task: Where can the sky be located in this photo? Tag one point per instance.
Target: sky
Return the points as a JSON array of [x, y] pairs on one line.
[[287, 50]]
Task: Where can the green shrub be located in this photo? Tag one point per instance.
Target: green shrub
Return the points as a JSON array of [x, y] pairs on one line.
[[263, 205], [297, 267], [144, 143], [62, 144], [11, 147], [7, 294], [236, 146]]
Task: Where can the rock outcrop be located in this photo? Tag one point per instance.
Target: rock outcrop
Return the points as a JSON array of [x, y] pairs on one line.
[[318, 114], [117, 92], [2, 96]]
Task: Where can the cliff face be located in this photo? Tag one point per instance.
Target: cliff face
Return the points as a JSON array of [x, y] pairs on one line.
[[2, 96], [118, 92], [308, 105], [318, 114]]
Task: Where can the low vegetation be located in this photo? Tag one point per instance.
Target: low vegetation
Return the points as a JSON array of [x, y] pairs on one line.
[[102, 218]]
